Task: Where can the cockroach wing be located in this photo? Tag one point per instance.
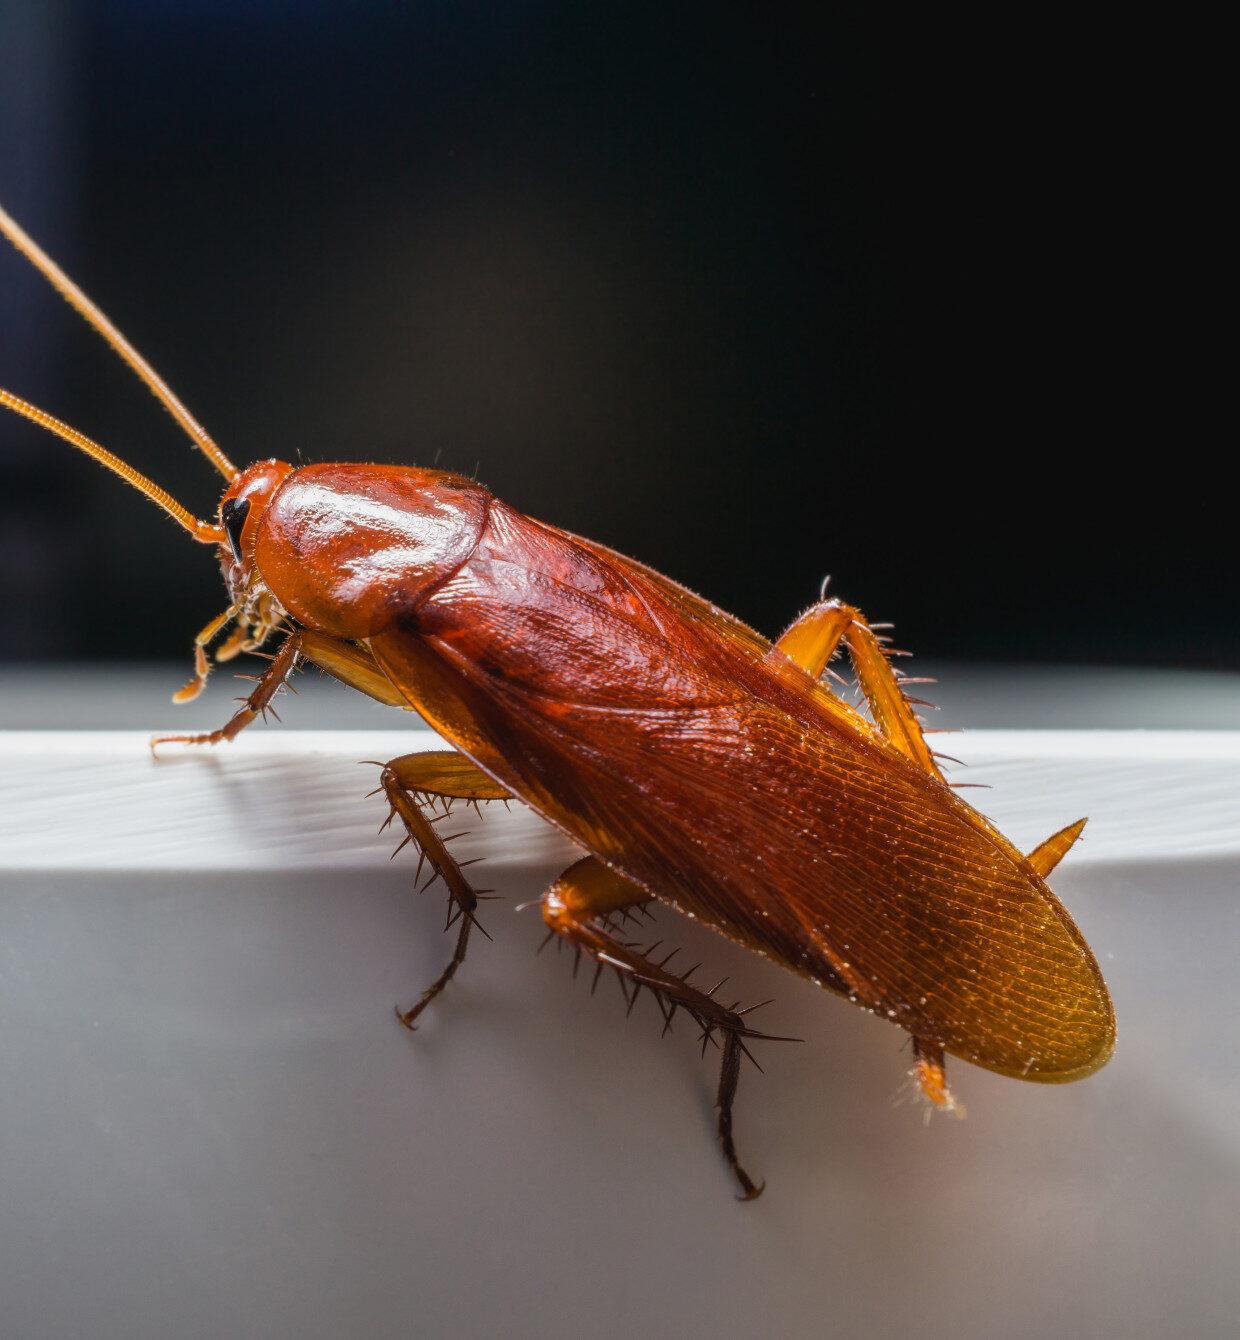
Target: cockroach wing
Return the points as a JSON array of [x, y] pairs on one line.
[[651, 728]]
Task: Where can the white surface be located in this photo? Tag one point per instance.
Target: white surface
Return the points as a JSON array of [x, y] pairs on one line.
[[211, 1124], [293, 800]]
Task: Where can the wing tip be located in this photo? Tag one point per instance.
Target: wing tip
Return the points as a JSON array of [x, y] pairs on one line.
[[1082, 1057]]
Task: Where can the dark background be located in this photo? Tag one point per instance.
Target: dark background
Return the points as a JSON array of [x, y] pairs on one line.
[[751, 295]]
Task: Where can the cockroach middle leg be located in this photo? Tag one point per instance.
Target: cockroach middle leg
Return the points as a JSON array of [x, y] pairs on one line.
[[576, 908], [255, 705], [446, 774], [450, 776]]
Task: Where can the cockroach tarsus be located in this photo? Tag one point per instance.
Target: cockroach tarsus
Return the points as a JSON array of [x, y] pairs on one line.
[[695, 763]]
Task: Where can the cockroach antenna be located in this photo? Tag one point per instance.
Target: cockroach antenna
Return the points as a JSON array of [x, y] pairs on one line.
[[204, 531], [99, 321]]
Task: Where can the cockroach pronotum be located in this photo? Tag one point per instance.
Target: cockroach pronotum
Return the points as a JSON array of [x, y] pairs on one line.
[[693, 761]]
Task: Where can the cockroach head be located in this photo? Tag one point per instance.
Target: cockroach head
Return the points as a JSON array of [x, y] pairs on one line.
[[241, 509]]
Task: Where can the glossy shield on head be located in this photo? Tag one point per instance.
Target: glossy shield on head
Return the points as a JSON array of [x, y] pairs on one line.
[[349, 549]]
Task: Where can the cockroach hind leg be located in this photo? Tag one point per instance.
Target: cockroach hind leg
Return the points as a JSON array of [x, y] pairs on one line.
[[574, 909], [729, 1074], [407, 1017], [813, 639], [929, 1074]]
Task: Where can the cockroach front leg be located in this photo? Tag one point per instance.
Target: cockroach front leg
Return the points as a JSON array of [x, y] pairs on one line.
[[257, 704], [202, 667], [577, 907], [408, 782]]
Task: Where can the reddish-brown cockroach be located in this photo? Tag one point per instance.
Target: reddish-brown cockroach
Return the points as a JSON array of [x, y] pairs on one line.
[[695, 762]]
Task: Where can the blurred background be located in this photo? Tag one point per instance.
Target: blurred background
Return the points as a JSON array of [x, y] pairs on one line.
[[752, 295]]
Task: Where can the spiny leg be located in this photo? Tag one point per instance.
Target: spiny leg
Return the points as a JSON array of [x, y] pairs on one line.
[[270, 682], [449, 775], [445, 773], [576, 907], [811, 641], [255, 619], [813, 638], [348, 662]]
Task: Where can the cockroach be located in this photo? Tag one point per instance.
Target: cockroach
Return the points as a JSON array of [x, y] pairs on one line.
[[696, 763]]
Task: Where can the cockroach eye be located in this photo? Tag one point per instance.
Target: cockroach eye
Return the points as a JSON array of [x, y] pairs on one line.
[[233, 515]]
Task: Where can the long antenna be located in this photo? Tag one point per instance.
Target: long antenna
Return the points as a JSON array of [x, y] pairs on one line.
[[78, 300], [200, 530]]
